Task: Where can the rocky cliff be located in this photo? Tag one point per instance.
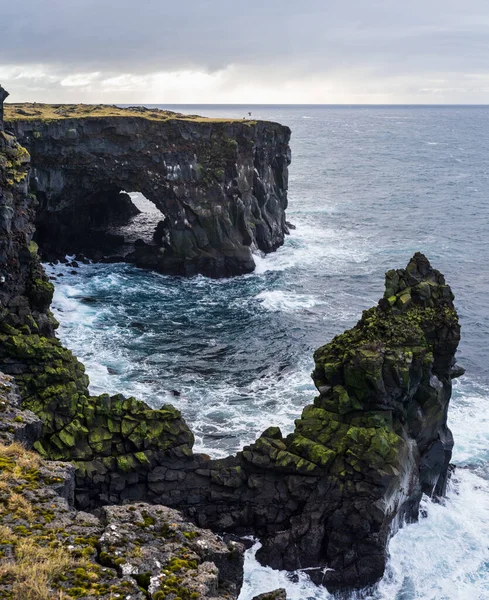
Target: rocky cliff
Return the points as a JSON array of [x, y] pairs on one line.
[[328, 496], [48, 549], [221, 185], [3, 95]]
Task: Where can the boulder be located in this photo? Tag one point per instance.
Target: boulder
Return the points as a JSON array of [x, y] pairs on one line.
[[279, 594]]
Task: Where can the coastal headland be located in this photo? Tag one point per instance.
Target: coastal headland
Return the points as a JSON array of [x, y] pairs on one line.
[[326, 497]]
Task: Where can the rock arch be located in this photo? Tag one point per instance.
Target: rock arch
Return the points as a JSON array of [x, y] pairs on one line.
[[222, 185]]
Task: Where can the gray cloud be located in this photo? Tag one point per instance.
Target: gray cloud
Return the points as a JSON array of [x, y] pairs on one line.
[[388, 38], [158, 34]]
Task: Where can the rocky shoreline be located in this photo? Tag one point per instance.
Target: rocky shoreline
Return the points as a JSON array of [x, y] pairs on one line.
[[327, 497]]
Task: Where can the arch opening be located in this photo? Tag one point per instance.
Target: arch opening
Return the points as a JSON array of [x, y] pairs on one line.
[[109, 224]]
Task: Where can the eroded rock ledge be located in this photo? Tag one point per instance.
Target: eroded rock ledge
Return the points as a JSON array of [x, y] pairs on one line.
[[221, 185], [328, 495]]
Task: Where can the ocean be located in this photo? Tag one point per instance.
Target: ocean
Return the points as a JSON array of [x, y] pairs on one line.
[[369, 186]]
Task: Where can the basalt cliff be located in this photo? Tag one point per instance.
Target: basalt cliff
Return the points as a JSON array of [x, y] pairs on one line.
[[326, 497], [221, 185]]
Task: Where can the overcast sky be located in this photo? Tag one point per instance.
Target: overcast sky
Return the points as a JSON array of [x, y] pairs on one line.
[[258, 51]]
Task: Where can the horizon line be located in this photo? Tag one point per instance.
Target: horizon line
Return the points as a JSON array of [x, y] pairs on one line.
[[317, 104]]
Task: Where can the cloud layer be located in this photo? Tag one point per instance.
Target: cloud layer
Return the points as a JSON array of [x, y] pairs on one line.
[[258, 51]]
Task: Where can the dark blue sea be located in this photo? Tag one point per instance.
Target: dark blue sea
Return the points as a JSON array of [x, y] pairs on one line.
[[369, 186]]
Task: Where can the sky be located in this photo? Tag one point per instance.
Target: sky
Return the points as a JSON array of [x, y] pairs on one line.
[[253, 52]]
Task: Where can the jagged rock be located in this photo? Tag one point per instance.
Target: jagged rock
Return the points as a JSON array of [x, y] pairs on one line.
[[155, 546], [222, 185], [3, 95], [47, 548], [279, 594], [139, 546], [16, 425]]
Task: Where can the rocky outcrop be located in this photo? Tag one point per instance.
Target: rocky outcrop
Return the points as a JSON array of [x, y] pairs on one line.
[[49, 549], [16, 423], [279, 594], [221, 185], [329, 495], [325, 498]]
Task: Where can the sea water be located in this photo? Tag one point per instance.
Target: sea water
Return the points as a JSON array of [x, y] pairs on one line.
[[369, 186]]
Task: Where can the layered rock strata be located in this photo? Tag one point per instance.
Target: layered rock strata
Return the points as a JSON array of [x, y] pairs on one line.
[[221, 185], [325, 498]]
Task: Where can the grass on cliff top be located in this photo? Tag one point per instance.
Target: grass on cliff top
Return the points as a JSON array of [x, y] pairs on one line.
[[53, 112]]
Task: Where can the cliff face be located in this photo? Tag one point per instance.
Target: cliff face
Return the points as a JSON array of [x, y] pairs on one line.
[[328, 496], [221, 185], [25, 291], [3, 95]]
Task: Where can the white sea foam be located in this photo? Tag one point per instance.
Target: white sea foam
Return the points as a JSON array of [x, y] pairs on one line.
[[441, 557], [259, 579], [278, 300], [310, 245], [469, 421]]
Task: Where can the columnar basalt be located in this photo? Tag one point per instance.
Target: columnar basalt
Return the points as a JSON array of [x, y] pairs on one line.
[[326, 497], [221, 185]]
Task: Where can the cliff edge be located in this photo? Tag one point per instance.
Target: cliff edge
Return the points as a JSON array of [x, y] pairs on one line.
[[221, 185]]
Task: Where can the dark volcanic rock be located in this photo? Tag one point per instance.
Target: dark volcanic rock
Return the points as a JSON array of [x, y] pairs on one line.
[[328, 496], [222, 186], [279, 594], [51, 550], [165, 553], [16, 425], [3, 95]]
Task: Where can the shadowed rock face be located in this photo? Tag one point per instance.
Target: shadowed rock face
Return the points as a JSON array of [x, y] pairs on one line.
[[221, 186], [328, 495]]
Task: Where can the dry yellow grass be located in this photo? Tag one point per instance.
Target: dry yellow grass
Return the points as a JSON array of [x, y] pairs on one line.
[[24, 459], [54, 112], [21, 507], [35, 566], [35, 569], [18, 451], [17, 463]]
